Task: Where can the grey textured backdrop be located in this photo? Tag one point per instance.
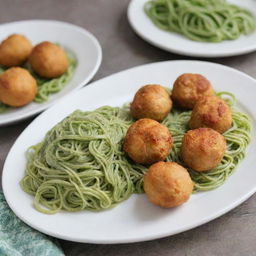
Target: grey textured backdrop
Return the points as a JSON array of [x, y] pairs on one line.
[[232, 234]]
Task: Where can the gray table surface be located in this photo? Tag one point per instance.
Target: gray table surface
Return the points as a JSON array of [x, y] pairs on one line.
[[232, 234]]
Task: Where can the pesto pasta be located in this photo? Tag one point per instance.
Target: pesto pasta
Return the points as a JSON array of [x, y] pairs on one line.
[[201, 20], [81, 164]]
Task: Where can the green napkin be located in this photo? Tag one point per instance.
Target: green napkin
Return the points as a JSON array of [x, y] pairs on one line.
[[18, 239]]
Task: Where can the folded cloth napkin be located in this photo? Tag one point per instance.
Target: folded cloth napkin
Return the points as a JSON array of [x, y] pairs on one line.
[[18, 239]]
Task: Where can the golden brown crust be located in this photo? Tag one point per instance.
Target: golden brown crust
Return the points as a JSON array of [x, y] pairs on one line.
[[203, 149], [17, 87], [147, 141], [189, 88], [14, 50], [151, 101], [167, 184], [48, 60], [212, 112]]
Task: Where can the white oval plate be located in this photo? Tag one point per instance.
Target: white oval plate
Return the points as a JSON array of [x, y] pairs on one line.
[[80, 42], [177, 43], [136, 219]]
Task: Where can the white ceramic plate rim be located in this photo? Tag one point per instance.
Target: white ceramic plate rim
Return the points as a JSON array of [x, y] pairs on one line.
[[39, 108], [156, 234], [155, 33]]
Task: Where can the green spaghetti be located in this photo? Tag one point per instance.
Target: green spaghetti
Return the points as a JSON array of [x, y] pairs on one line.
[[80, 163], [201, 20], [46, 86]]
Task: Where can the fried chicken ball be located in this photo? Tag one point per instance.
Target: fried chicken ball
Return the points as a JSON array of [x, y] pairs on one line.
[[151, 101], [14, 50], [168, 184], [17, 87], [212, 112], [147, 141], [189, 88], [203, 149], [48, 60]]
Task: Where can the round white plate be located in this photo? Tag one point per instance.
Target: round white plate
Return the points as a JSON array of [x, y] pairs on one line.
[[136, 219], [84, 46], [177, 43]]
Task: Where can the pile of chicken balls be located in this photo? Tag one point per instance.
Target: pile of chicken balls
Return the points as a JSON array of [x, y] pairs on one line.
[[148, 142], [17, 86]]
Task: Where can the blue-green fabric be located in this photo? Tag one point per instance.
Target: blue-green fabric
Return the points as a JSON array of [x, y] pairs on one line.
[[18, 239]]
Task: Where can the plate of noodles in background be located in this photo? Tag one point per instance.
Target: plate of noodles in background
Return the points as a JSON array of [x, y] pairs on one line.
[[82, 51], [132, 217], [196, 28]]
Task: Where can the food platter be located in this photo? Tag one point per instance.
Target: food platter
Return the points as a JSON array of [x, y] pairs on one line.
[[135, 219], [81, 43], [179, 44]]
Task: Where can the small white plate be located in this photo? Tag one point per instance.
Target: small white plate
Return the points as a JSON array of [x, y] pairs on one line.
[[81, 43], [177, 43], [136, 219]]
